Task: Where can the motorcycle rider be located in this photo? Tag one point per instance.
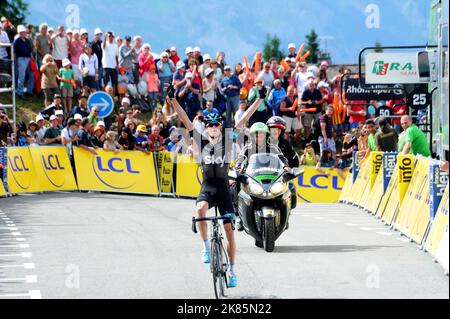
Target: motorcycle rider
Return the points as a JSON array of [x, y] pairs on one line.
[[260, 143], [277, 126], [215, 160]]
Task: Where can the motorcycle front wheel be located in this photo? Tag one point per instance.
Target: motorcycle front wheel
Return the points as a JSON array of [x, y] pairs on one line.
[[269, 235]]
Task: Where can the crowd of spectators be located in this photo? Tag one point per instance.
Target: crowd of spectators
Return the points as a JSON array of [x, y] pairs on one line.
[[68, 65]]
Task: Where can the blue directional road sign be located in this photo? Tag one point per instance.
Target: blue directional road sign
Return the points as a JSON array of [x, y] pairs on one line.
[[103, 101]]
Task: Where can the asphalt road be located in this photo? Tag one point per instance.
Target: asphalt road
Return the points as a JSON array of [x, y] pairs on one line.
[[74, 245]]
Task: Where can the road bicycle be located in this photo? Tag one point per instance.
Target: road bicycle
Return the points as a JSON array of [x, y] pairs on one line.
[[219, 256]]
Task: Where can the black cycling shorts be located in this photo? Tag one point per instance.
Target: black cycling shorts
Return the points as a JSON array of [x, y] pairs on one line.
[[217, 192]]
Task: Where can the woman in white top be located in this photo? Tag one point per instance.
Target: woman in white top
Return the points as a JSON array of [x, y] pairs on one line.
[[209, 85]]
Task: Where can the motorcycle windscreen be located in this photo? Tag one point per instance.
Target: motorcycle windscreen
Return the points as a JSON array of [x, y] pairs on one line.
[[264, 167]]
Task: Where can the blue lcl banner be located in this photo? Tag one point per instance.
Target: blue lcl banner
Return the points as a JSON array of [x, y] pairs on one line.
[[438, 182], [389, 163], [4, 162], [355, 169]]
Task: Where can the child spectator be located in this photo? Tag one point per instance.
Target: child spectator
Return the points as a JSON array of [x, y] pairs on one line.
[[309, 157], [122, 82], [152, 86], [49, 72], [111, 143], [67, 79]]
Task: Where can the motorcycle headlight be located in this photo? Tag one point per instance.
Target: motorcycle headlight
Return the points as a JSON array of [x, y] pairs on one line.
[[254, 187], [277, 188]]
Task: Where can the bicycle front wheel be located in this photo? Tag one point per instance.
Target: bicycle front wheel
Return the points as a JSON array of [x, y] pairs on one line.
[[216, 268]]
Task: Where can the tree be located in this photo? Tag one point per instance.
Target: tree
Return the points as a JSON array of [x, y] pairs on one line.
[[271, 48], [312, 44], [378, 47], [14, 10]]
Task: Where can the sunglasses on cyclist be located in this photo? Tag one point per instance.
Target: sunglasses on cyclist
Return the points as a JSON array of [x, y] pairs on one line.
[[213, 125]]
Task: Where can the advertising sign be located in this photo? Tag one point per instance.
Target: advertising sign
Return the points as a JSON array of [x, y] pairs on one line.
[[391, 68]]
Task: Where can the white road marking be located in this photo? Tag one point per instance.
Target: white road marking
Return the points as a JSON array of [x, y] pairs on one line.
[[351, 224], [23, 255], [21, 239], [35, 294], [403, 239], [16, 234], [24, 266], [22, 246], [384, 233], [29, 279], [318, 218], [10, 228], [15, 295], [371, 228], [333, 221]]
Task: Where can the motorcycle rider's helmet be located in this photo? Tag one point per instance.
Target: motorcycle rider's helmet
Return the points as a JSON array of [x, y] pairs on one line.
[[259, 127], [212, 119], [278, 122]]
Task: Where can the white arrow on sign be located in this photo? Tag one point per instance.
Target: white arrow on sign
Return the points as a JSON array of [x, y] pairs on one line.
[[102, 106]]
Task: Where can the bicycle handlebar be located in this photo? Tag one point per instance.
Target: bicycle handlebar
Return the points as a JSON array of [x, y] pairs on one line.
[[215, 218]]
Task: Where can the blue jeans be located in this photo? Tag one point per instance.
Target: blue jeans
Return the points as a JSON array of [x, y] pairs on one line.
[[162, 89], [153, 99], [232, 106], [23, 68]]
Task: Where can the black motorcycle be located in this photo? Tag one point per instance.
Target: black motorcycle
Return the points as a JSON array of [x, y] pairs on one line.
[[264, 201]]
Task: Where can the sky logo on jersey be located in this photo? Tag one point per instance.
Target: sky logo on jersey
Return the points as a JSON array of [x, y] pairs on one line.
[[214, 160], [111, 171]]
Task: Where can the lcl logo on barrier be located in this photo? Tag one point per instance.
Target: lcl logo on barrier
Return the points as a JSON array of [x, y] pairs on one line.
[[405, 169], [314, 182], [111, 172], [52, 169], [19, 171]]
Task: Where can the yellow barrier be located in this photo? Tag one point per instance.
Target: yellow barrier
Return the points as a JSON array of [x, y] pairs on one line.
[[405, 166], [189, 177], [440, 224], [316, 187], [21, 174], [388, 207], [361, 182], [125, 172], [53, 168], [346, 190], [375, 164], [165, 170], [2, 189], [414, 208], [376, 194]]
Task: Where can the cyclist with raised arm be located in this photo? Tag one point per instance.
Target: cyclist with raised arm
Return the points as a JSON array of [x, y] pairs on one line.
[[214, 158]]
